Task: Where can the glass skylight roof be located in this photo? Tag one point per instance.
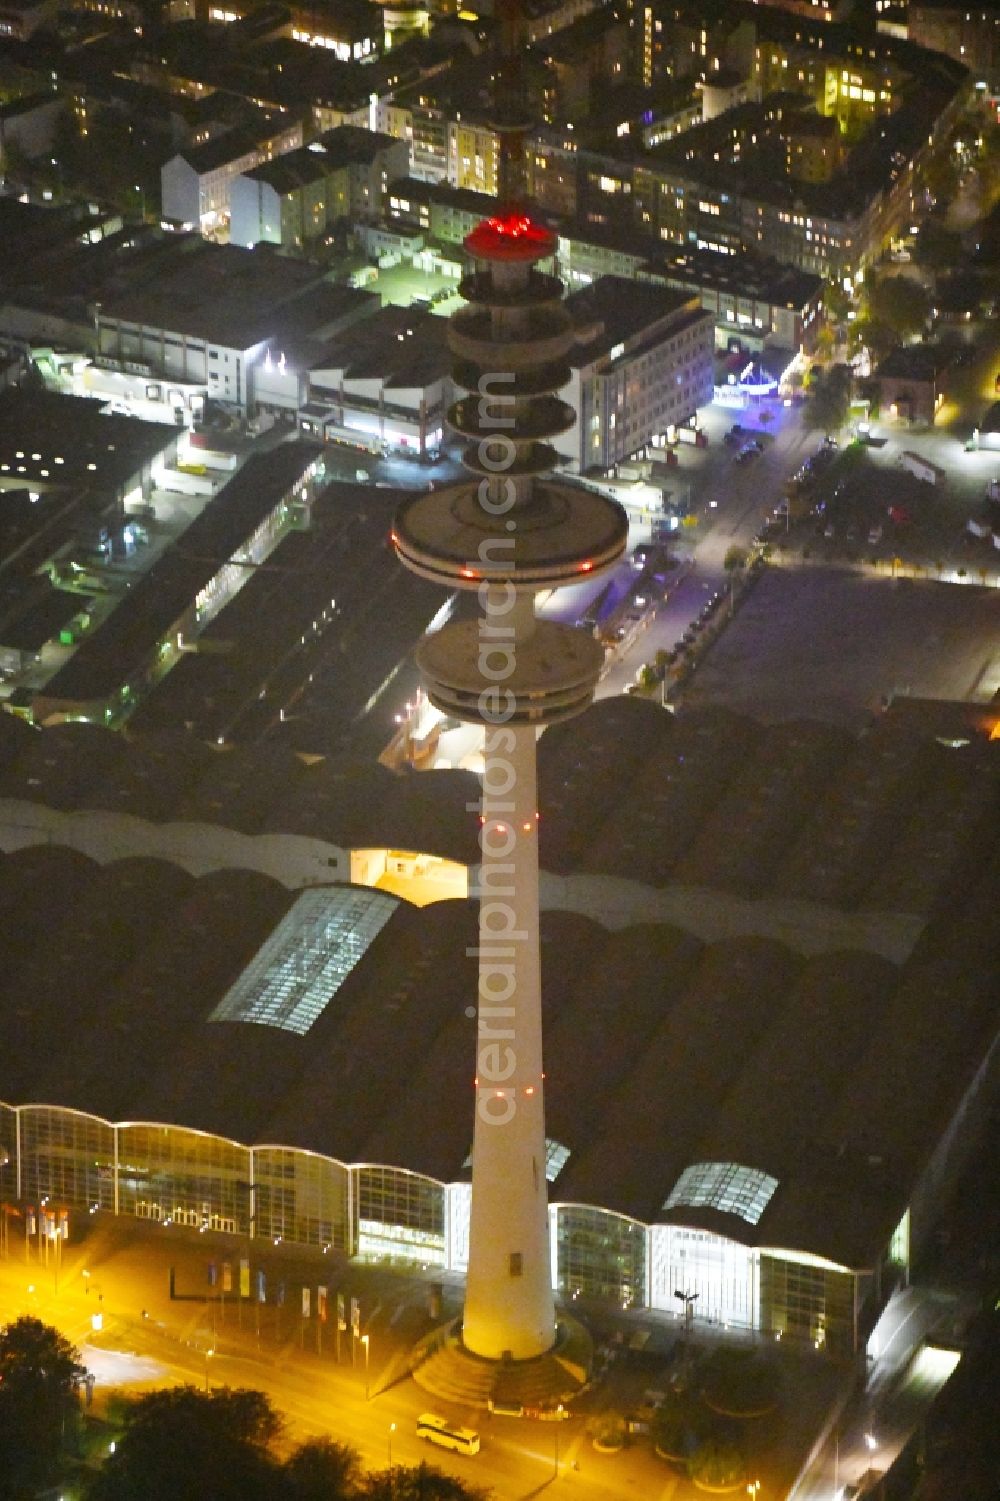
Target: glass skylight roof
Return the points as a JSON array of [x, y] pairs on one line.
[[556, 1158], [307, 958], [725, 1186]]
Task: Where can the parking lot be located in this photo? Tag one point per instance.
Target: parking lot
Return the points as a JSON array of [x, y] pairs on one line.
[[828, 643], [865, 505]]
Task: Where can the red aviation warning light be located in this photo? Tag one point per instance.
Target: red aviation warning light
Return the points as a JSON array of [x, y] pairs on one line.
[[510, 237]]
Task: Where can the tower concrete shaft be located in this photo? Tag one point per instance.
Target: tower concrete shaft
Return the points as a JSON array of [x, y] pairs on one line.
[[509, 1310], [508, 532]]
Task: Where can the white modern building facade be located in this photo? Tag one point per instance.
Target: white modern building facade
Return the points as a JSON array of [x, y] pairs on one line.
[[169, 1175]]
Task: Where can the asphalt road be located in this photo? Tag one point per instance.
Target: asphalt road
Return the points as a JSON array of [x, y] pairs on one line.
[[190, 1342]]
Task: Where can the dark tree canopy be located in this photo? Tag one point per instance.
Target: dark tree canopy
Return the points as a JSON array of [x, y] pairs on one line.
[[39, 1374], [185, 1445], [322, 1470], [901, 302], [830, 398], [420, 1483]]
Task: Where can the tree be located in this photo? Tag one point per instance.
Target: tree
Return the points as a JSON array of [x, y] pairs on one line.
[[877, 338], [607, 1430], [937, 247], [734, 562], [39, 1374], [322, 1470], [830, 398], [420, 1483], [901, 302], [835, 301], [826, 341], [680, 1425], [941, 175], [185, 1445], [717, 1465]]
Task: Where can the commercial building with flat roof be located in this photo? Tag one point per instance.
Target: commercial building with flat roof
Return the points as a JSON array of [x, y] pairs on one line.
[[786, 1059], [178, 308], [168, 607], [385, 383], [641, 366]]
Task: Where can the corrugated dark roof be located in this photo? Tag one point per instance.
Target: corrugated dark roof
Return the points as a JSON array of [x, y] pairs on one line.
[[649, 1132], [837, 1074], [103, 662]]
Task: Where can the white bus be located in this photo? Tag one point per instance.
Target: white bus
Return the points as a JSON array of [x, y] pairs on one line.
[[437, 1430]]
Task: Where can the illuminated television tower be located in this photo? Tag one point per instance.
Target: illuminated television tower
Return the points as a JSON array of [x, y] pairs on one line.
[[506, 533]]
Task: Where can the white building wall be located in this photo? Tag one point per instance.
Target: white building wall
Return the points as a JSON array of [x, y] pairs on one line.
[[294, 860], [570, 445], [180, 191], [255, 212], [723, 1274]]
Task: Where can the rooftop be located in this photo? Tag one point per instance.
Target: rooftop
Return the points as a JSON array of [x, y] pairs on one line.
[[402, 348], [329, 153], [737, 1083], [104, 662], [224, 294], [616, 310], [917, 362], [51, 441]]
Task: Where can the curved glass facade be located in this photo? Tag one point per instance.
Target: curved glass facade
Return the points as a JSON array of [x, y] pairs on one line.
[[66, 1156], [181, 1177], [600, 1254], [302, 1197], [173, 1175]]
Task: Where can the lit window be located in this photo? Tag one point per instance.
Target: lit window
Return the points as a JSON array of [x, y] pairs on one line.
[[299, 969], [725, 1186]]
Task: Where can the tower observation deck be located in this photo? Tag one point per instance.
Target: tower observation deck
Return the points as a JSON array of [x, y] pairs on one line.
[[508, 531]]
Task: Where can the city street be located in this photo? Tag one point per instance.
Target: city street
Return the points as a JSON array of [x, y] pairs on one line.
[[120, 1274], [148, 1341]]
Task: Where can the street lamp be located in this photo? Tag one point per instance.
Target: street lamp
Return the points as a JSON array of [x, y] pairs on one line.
[[688, 1299], [208, 1355], [366, 1341], [392, 1429]]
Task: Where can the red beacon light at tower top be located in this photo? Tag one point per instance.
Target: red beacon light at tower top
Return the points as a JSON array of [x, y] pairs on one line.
[[510, 237]]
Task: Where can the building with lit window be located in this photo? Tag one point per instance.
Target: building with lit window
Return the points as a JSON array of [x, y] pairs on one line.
[[296, 199], [196, 183], [828, 986], [384, 385], [20, 19], [641, 367], [968, 33]]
